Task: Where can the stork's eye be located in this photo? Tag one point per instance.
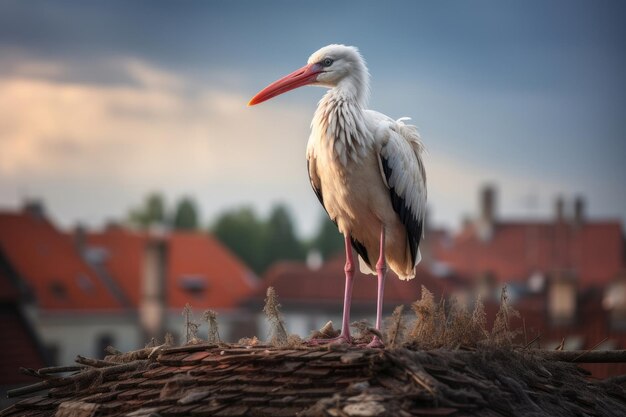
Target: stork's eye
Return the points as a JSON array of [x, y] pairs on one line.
[[327, 62]]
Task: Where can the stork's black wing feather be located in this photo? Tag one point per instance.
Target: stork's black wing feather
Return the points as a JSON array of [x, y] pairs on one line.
[[411, 221], [360, 249], [317, 188]]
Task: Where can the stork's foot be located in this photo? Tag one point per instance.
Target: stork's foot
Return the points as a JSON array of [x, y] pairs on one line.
[[376, 343], [341, 339]]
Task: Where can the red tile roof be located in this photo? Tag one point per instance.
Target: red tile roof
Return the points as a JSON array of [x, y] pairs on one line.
[[200, 270], [516, 250], [124, 258], [200, 257], [48, 261]]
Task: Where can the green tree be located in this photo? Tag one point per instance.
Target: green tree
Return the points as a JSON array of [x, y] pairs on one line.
[[281, 240], [242, 232], [327, 240], [186, 215], [151, 212]]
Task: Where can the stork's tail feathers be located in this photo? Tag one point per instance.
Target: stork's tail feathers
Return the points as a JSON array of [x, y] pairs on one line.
[[365, 268]]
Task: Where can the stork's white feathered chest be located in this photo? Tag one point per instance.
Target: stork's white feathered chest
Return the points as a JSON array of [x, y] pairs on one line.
[[343, 148]]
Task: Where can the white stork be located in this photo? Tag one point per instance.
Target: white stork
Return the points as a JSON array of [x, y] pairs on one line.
[[365, 168]]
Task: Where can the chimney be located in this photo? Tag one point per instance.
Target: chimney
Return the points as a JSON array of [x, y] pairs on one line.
[[559, 210], [487, 219], [80, 238], [35, 208], [152, 303], [562, 298], [579, 211]]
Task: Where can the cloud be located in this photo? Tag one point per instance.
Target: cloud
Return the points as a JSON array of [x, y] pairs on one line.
[[154, 129]]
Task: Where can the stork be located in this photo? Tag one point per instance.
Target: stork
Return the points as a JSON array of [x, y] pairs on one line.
[[366, 170]]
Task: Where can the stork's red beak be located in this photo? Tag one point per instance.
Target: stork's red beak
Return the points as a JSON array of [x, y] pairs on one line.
[[303, 76]]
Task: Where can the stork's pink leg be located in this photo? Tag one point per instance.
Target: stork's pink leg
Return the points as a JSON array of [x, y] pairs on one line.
[[349, 269], [381, 270]]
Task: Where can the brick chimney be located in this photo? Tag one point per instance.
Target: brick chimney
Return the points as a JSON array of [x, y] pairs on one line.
[[35, 208], [80, 238], [559, 210], [152, 302], [579, 211], [487, 219]]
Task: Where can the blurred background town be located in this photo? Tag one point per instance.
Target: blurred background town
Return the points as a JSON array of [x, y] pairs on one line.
[[134, 180]]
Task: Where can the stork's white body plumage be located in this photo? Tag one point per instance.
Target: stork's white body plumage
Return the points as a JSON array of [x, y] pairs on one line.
[[350, 177], [365, 168]]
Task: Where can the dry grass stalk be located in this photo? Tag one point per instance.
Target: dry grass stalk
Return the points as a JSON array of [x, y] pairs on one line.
[[479, 320], [424, 328], [395, 328], [210, 316], [451, 326], [272, 312], [501, 334], [191, 327], [458, 326]]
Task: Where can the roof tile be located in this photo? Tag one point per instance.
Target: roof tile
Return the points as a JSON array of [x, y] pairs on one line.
[[48, 260]]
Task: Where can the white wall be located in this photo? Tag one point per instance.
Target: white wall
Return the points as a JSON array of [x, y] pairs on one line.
[[78, 333]]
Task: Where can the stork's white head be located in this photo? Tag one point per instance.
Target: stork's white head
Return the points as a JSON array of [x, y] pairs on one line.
[[333, 66]]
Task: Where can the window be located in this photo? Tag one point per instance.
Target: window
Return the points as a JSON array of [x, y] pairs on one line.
[[52, 353], [196, 285], [103, 341], [58, 290]]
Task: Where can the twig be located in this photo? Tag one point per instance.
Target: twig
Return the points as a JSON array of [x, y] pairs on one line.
[[589, 350], [32, 372], [584, 356], [532, 341], [418, 375], [39, 386], [95, 363], [60, 369]]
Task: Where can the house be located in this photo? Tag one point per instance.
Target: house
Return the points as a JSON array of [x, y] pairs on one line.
[[163, 273], [117, 287], [566, 276], [73, 309], [529, 252]]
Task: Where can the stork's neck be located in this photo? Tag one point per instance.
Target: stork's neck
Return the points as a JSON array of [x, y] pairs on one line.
[[339, 124]]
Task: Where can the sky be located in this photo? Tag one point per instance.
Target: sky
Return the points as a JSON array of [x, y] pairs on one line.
[[104, 102]]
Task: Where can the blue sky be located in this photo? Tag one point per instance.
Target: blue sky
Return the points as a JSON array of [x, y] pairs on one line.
[[104, 101]]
